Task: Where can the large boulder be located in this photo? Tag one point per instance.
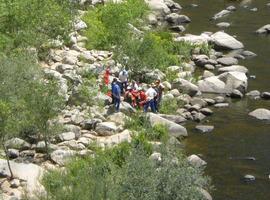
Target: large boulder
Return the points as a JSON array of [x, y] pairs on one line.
[[106, 128], [175, 130], [264, 30], [185, 86], [30, 173], [260, 113], [225, 41], [212, 85], [235, 80]]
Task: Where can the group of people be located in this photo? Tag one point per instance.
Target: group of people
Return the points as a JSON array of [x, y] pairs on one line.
[[134, 94]]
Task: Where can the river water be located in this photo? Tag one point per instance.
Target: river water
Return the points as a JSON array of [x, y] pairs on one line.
[[236, 134]]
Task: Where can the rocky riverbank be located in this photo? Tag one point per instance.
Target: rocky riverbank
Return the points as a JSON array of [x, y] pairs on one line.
[[220, 74]]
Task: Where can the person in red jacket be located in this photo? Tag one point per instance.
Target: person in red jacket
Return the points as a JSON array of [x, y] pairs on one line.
[[107, 76], [142, 97]]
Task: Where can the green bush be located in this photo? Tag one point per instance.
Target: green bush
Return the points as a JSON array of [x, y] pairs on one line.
[[108, 25], [33, 22], [170, 106], [137, 178], [141, 125]]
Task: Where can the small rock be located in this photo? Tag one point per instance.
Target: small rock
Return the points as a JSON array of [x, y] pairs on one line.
[[209, 67], [15, 183], [260, 113], [206, 111], [249, 178], [221, 14], [221, 105], [155, 156], [204, 128], [254, 9], [196, 161], [67, 136], [13, 153], [233, 68], [265, 95], [207, 74], [227, 61], [219, 99], [177, 19], [179, 28], [210, 102], [248, 54], [223, 25], [231, 8], [198, 117], [236, 94], [254, 94], [106, 128], [264, 30]]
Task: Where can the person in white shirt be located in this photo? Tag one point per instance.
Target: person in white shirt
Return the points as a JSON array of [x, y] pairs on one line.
[[134, 85], [151, 94], [123, 77]]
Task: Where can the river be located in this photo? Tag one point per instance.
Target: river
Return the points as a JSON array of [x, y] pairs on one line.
[[236, 134]]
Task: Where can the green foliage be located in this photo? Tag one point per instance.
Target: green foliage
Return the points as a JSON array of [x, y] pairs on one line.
[[33, 22], [27, 101], [86, 92], [170, 106], [138, 177], [150, 52], [108, 25], [141, 125]]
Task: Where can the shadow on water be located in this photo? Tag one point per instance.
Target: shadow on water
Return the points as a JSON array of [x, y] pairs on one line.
[[236, 135]]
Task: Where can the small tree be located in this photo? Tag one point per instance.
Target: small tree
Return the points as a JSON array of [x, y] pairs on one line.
[[44, 104], [14, 78]]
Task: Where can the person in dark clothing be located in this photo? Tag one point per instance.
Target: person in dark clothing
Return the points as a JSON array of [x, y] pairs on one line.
[[116, 94]]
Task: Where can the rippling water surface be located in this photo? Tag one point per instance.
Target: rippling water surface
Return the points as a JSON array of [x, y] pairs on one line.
[[235, 134]]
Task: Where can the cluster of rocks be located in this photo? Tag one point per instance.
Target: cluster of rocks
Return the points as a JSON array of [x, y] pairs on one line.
[[168, 12]]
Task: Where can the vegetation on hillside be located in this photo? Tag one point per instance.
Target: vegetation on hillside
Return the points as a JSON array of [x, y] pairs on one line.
[[27, 101], [126, 172], [32, 23], [117, 27]]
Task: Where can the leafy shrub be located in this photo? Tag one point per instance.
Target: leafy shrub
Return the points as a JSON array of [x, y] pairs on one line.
[[141, 125], [138, 177], [108, 25], [170, 106], [33, 22]]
